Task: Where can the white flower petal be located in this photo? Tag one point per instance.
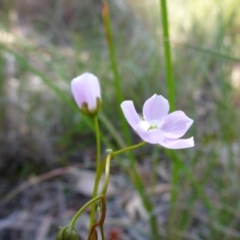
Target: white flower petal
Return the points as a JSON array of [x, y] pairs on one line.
[[176, 124], [130, 114], [78, 91], [152, 136], [92, 90], [177, 143], [86, 89], [155, 108]]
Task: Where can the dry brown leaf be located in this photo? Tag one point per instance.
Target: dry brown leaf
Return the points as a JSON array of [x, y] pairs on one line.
[[135, 208]]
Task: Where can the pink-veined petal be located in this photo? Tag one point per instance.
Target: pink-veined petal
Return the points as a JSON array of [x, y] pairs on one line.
[[155, 108], [176, 124], [177, 143], [130, 113], [152, 136]]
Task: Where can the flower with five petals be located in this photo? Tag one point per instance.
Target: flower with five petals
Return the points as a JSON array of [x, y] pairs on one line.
[[157, 126]]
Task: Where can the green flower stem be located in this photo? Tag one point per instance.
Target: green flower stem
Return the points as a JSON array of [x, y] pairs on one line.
[[102, 232], [77, 215], [106, 165], [136, 178], [107, 174], [98, 146], [128, 148], [98, 164], [100, 222]]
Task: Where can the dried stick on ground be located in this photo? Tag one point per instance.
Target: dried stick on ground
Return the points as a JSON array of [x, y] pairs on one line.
[[35, 180]]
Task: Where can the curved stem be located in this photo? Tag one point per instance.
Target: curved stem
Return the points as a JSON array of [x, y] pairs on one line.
[[111, 156], [128, 148], [107, 174], [76, 216], [106, 165], [102, 232], [100, 222], [98, 163]]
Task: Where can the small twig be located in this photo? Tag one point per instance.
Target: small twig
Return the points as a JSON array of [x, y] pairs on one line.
[[35, 180]]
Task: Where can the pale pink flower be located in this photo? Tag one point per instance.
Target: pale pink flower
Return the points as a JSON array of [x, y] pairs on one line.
[[87, 94], [157, 126]]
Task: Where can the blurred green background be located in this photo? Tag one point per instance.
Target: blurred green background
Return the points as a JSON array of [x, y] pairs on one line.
[[44, 44]]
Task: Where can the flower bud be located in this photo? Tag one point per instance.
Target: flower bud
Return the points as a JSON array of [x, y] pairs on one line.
[[87, 94], [67, 233]]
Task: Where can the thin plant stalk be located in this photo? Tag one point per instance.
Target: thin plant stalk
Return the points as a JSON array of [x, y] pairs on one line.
[[128, 148], [93, 232], [107, 174], [105, 164], [136, 178], [167, 54], [171, 96], [98, 163], [114, 67], [77, 215]]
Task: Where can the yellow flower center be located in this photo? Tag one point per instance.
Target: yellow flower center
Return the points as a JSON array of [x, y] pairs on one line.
[[153, 127]]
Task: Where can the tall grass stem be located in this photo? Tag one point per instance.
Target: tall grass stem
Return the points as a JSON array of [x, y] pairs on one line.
[[171, 97], [136, 178], [114, 67], [167, 53]]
